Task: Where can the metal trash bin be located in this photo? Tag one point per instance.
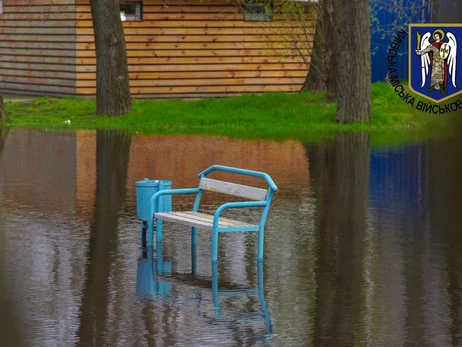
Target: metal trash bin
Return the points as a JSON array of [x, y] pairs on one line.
[[145, 190]]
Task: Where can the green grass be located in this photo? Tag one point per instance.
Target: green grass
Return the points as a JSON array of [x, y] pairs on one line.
[[302, 116]]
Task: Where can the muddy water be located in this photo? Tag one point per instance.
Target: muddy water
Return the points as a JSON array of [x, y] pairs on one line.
[[363, 244]]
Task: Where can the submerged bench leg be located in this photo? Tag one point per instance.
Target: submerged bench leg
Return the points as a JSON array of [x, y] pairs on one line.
[[144, 228], [159, 230], [215, 293], [159, 258], [150, 233], [261, 238], [214, 245], [151, 229], [194, 236], [194, 250]]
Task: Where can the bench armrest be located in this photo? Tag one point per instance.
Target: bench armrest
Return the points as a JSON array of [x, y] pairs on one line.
[[241, 204], [155, 197]]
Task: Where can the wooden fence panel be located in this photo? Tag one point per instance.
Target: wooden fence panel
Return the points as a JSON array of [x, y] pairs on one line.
[[181, 48], [193, 48], [37, 47]]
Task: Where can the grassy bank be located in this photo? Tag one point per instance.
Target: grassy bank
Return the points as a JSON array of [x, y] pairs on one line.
[[275, 115]]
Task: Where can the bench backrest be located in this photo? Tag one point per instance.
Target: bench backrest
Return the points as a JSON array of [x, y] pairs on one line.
[[235, 189]]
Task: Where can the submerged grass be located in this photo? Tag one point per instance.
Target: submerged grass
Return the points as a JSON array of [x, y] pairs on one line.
[[301, 116]]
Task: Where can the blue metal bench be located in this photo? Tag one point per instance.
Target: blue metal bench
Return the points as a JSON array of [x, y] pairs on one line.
[[260, 198]]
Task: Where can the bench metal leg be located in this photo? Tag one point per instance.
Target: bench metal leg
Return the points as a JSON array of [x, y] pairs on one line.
[[214, 245], [159, 259], [215, 298], [194, 250], [263, 303], [261, 238], [144, 228], [159, 230], [150, 233], [193, 236]]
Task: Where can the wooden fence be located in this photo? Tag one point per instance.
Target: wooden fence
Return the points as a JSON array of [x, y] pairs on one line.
[[181, 48]]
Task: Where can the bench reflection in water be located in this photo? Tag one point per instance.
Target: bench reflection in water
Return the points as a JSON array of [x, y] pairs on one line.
[[156, 279]]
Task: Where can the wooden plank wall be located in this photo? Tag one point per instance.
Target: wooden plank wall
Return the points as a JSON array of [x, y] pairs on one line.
[[182, 48], [195, 48], [37, 47]]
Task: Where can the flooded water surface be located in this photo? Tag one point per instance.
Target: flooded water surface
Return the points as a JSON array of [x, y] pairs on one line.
[[363, 244]]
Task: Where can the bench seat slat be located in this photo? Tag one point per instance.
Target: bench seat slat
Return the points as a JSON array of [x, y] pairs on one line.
[[209, 218], [200, 220], [233, 189]]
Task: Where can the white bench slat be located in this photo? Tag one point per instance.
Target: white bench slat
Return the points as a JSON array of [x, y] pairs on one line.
[[233, 189], [209, 218], [198, 219]]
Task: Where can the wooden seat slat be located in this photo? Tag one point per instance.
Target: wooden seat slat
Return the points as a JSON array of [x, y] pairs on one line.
[[199, 220], [209, 218]]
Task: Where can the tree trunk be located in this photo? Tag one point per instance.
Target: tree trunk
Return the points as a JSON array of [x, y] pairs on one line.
[[315, 81], [354, 68], [334, 46], [322, 75], [112, 83], [3, 112]]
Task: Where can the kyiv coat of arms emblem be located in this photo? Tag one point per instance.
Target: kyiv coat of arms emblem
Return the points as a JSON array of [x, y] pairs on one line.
[[433, 60]]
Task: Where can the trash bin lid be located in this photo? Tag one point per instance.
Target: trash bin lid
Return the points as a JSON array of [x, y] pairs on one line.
[[147, 183]]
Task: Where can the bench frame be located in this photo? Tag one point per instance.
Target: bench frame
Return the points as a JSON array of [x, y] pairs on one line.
[[262, 199]]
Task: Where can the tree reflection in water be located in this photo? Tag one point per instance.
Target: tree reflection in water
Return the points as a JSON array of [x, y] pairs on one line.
[[113, 148], [3, 136], [10, 328], [445, 186], [340, 170]]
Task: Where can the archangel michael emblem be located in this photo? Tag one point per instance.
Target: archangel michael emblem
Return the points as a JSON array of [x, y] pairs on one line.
[[433, 60]]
